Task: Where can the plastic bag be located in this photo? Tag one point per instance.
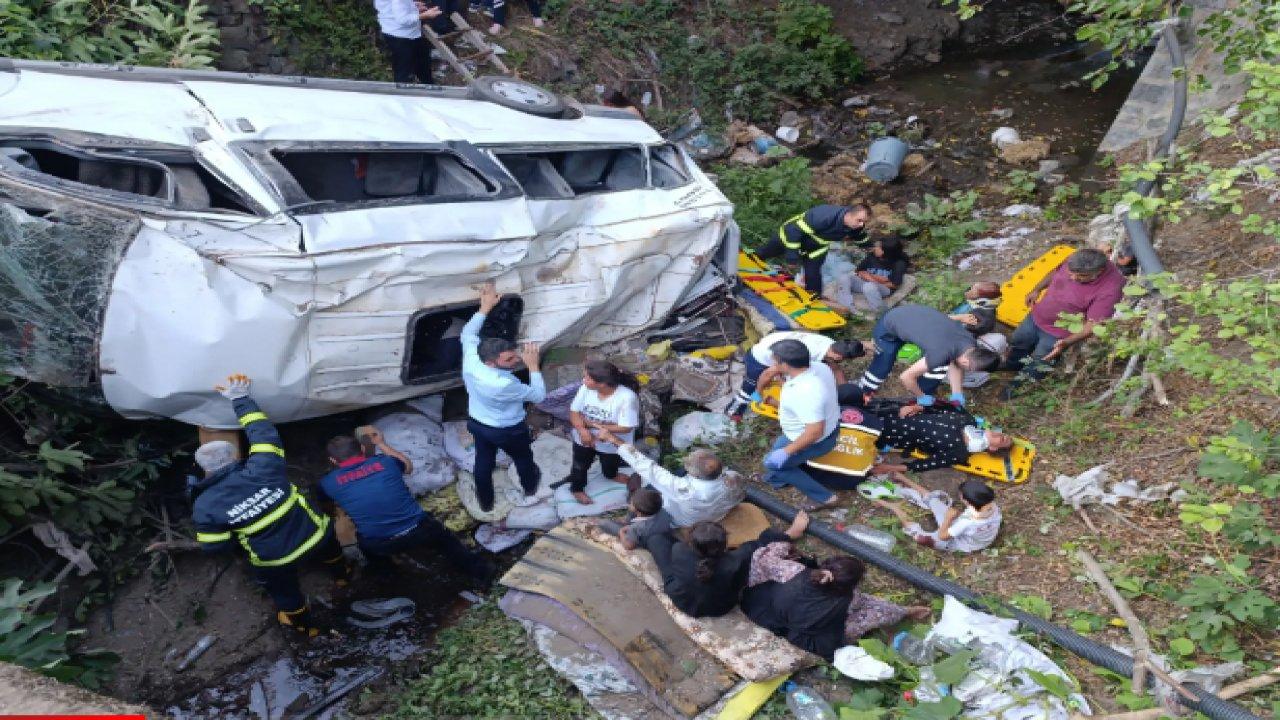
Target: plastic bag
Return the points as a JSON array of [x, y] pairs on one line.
[[856, 663], [421, 439], [702, 428]]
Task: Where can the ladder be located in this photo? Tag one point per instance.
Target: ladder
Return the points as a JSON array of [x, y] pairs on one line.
[[474, 38]]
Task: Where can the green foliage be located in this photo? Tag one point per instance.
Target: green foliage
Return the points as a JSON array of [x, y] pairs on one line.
[[485, 667], [942, 225], [1060, 200], [28, 639], [163, 33], [1209, 518], [328, 38], [764, 198], [1219, 607], [720, 55], [1200, 317], [1033, 604], [942, 289], [1247, 458], [1020, 186]]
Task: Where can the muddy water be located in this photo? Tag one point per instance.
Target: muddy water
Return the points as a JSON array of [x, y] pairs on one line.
[[1044, 89]]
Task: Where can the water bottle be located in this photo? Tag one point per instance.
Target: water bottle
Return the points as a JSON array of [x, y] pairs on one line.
[[877, 539], [806, 704], [930, 690], [914, 650]]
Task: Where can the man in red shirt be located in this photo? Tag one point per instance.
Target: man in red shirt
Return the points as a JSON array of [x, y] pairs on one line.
[[1087, 284]]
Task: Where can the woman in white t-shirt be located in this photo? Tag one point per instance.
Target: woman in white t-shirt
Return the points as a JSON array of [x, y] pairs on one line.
[[607, 400]]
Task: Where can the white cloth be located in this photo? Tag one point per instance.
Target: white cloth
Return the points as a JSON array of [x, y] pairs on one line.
[[495, 397], [399, 18], [620, 408], [807, 398], [970, 532], [688, 500], [817, 343]]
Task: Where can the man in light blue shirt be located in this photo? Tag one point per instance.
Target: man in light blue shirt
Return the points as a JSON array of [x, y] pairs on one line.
[[496, 398]]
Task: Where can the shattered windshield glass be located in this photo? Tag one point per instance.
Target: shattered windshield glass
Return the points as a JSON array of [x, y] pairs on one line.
[[57, 258]]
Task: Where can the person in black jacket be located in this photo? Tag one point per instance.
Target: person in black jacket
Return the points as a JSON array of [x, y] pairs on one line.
[[811, 233], [809, 610], [881, 272], [253, 502], [703, 577]]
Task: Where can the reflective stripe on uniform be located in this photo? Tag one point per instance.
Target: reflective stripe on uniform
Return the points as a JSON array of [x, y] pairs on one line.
[[799, 221], [212, 537], [295, 498], [266, 448], [252, 417]]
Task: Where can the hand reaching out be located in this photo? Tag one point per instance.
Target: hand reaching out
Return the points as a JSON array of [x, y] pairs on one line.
[[489, 297], [237, 386], [530, 354]]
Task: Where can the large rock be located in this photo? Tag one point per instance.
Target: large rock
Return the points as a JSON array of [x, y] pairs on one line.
[[1025, 152]]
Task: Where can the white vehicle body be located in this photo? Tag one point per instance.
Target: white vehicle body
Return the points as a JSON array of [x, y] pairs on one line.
[[161, 229]]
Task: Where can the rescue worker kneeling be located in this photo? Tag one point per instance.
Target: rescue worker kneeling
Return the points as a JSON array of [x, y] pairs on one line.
[[253, 502], [367, 482]]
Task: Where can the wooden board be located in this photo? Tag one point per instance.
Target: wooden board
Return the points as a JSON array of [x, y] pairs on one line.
[[854, 454], [1013, 308], [1014, 469], [782, 292]]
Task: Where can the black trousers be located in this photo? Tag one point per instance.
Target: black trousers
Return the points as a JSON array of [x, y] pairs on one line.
[[410, 59], [514, 441], [812, 266], [429, 533], [281, 582], [610, 464]]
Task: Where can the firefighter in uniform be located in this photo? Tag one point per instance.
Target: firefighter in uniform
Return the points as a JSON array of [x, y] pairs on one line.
[[811, 233], [252, 502]]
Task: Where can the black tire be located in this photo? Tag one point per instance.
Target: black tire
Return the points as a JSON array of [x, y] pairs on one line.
[[518, 95]]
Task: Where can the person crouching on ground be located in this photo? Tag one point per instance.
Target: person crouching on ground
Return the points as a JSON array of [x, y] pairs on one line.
[[809, 415], [817, 609], [607, 401], [762, 369], [368, 484], [496, 398], [960, 529]]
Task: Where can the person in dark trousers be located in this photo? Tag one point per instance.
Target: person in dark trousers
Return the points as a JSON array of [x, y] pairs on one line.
[[703, 577], [811, 233], [881, 272], [496, 398], [499, 8], [251, 503], [947, 435], [401, 24], [949, 351], [367, 482], [607, 403], [1086, 284]]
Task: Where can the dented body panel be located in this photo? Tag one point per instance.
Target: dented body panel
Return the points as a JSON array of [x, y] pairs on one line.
[[318, 300]]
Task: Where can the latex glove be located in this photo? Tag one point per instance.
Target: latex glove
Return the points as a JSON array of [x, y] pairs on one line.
[[925, 401], [237, 387], [958, 398], [757, 397], [775, 459]]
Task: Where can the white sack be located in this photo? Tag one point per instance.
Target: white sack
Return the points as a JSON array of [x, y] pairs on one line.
[[1004, 137], [506, 493], [702, 428], [496, 539], [856, 663], [606, 496], [541, 516], [421, 439]]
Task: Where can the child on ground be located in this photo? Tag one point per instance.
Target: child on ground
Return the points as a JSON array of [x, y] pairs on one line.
[[969, 529], [881, 272], [646, 506]]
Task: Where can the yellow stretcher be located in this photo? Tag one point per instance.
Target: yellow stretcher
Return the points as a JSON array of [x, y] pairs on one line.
[[1013, 308], [791, 300], [1016, 468], [854, 454], [774, 393]]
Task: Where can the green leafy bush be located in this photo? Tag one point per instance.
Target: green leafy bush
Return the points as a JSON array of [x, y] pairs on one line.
[[28, 639], [163, 33], [942, 226], [766, 197], [328, 38]]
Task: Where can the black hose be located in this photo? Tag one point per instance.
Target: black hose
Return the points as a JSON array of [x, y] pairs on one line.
[[1100, 655], [1139, 237]]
